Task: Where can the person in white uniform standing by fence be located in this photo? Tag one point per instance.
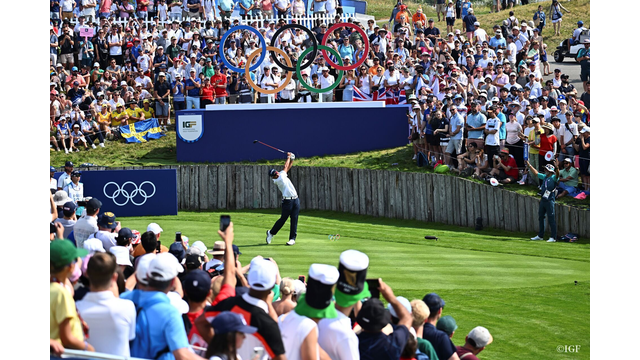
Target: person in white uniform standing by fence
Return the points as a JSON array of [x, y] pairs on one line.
[[290, 202]]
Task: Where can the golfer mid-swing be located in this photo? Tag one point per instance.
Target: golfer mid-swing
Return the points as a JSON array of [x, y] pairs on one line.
[[290, 202]]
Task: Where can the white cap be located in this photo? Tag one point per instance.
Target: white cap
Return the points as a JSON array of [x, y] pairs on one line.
[[122, 255], [96, 64], [481, 336], [155, 228], [262, 274], [100, 93], [326, 274], [404, 301], [562, 101], [585, 129], [354, 260], [123, 82], [142, 266], [93, 246], [200, 245], [164, 267], [495, 99], [138, 84], [299, 287], [476, 23], [176, 300], [161, 74]]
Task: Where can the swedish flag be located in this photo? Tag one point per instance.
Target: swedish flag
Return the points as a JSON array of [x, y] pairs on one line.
[[142, 131]]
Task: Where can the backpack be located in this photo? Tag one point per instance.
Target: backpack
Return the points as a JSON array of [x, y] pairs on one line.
[[422, 159], [141, 345], [569, 237]]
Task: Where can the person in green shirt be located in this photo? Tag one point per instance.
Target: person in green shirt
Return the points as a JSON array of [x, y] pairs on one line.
[[568, 180], [208, 70], [548, 201]]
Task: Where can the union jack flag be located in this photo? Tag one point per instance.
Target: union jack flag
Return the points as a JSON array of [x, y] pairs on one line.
[[395, 97], [358, 95]]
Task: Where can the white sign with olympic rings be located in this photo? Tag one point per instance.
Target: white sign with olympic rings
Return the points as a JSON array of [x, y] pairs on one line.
[[134, 193]]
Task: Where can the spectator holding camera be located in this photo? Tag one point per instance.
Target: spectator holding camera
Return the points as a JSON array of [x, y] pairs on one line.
[[505, 169]]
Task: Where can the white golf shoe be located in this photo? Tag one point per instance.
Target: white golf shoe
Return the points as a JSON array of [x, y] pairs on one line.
[[537, 238], [291, 242], [269, 237], [551, 240]]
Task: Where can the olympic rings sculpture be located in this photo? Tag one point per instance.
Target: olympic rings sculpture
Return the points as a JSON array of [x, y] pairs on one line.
[[334, 237], [289, 67], [129, 196]]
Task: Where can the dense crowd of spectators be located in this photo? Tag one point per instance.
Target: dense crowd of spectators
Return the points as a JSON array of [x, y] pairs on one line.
[[121, 292], [148, 66]]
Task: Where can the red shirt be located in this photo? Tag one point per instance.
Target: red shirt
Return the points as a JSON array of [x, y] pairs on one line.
[[546, 143], [207, 93], [219, 79], [514, 167]]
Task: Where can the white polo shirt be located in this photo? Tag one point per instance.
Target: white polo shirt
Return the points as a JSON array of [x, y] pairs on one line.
[[294, 329], [337, 339], [112, 322], [285, 185], [326, 82], [64, 180], [84, 227]]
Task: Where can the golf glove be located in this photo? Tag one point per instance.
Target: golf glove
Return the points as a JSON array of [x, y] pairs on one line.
[[293, 156]]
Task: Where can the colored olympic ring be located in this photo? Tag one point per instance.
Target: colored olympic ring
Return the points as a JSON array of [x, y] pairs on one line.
[[334, 237], [311, 88], [224, 38], [311, 36], [364, 38], [120, 191], [256, 87]]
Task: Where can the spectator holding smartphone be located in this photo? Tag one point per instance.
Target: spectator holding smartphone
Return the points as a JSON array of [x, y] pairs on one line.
[[373, 343]]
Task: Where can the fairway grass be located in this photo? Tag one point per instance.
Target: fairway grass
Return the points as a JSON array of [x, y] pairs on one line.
[[523, 291]]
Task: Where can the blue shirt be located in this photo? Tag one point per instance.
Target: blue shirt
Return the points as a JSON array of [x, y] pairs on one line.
[[465, 8], [245, 3], [476, 121], [378, 346], [166, 327], [195, 91], [548, 183], [503, 128], [226, 5], [178, 95], [440, 341], [457, 121], [495, 42]]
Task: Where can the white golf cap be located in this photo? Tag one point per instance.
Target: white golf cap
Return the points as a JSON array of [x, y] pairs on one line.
[[93, 245], [262, 274], [585, 129], [299, 287], [481, 336], [123, 82], [96, 64], [476, 23], [164, 267], [142, 266], [200, 245], [161, 74], [122, 255], [155, 228], [404, 301]]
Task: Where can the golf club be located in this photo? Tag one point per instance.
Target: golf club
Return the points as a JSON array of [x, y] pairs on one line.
[[267, 145]]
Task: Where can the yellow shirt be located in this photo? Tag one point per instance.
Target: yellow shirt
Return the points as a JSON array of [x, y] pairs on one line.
[[102, 118], [135, 112], [116, 117], [62, 307], [532, 137], [148, 114]]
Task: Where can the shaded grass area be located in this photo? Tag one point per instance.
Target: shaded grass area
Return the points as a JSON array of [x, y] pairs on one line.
[[162, 152], [522, 291]]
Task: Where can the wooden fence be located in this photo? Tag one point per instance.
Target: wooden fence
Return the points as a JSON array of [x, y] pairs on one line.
[[392, 194]]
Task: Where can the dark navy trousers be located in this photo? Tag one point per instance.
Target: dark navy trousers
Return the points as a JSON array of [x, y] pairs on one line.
[[290, 208]]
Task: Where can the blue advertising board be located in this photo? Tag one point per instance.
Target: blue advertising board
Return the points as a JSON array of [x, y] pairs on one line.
[[133, 192], [227, 133]]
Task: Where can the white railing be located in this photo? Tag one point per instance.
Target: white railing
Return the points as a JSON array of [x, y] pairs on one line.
[[307, 20], [80, 354]]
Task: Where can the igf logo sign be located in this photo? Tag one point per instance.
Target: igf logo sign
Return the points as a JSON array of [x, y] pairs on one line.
[[188, 124]]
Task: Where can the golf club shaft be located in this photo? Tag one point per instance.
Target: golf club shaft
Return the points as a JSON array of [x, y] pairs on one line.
[[274, 148]]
